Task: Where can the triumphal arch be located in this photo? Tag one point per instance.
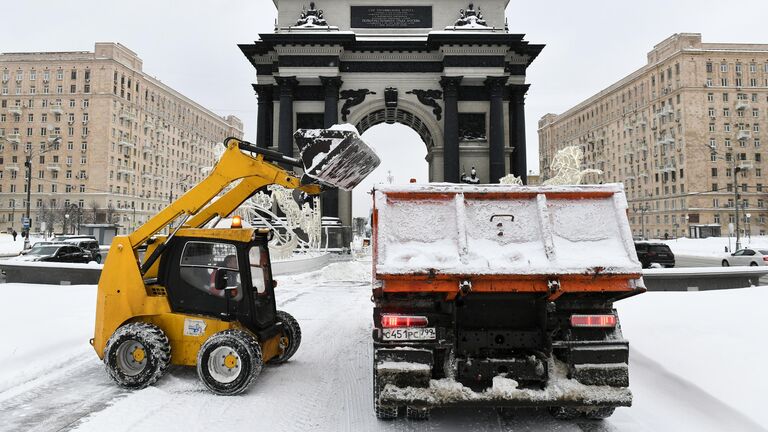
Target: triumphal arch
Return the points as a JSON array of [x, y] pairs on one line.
[[448, 69]]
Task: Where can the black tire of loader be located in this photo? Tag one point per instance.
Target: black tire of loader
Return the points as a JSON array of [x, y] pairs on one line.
[[382, 412], [293, 331], [157, 350], [247, 348]]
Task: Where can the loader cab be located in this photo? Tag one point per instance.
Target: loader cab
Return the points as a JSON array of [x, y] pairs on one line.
[[220, 277]]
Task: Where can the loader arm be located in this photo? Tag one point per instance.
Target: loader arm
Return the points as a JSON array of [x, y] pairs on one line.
[[255, 171]]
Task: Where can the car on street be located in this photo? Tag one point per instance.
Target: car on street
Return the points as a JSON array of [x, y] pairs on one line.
[[57, 252], [649, 253], [87, 244], [747, 257]]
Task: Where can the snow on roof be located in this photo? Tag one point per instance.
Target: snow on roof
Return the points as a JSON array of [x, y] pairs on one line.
[[503, 229]]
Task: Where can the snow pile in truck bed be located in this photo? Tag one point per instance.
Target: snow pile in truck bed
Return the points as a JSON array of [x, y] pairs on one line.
[[457, 231]]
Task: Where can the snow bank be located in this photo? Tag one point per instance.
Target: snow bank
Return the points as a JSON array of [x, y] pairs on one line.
[[713, 339], [500, 229], [713, 246]]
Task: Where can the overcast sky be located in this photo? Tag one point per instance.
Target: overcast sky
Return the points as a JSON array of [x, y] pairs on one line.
[[191, 45]]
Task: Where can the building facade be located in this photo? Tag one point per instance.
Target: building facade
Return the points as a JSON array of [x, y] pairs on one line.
[[108, 143], [683, 133]]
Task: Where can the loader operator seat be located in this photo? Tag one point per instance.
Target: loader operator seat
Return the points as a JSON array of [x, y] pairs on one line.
[[202, 260]]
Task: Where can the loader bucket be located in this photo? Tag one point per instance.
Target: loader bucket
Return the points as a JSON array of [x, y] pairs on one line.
[[335, 157]]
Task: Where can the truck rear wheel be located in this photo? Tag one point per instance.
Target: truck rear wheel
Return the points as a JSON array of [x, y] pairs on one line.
[[229, 361], [292, 334], [137, 355], [383, 412]]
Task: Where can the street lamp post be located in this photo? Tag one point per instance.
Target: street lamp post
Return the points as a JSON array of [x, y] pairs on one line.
[[66, 224], [736, 170], [28, 164], [642, 210]]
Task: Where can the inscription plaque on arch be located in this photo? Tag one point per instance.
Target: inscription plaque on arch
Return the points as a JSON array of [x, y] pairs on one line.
[[391, 16]]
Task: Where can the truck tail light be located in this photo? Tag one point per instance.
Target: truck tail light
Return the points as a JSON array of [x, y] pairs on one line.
[[593, 320], [390, 321]]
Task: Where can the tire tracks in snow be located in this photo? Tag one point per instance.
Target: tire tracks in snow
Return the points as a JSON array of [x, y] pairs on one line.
[[61, 401]]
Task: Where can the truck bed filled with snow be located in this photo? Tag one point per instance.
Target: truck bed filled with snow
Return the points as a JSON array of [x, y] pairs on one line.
[[502, 229]]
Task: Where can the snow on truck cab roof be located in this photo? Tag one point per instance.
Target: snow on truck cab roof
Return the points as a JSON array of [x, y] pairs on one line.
[[502, 229]]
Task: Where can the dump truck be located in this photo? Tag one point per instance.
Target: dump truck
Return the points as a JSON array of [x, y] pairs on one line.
[[501, 296], [204, 297]]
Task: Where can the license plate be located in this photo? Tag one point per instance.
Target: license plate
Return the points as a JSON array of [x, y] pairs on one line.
[[424, 333]]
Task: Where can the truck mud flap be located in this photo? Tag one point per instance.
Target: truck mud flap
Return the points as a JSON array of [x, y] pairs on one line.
[[559, 391], [335, 157]]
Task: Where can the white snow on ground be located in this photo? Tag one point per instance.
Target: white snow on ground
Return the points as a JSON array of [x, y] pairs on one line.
[[709, 343], [714, 339], [42, 327]]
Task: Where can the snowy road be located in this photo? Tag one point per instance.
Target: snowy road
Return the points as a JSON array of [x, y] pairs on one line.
[[326, 387]]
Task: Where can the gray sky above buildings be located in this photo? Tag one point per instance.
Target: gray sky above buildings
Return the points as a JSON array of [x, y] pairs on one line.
[[191, 46]]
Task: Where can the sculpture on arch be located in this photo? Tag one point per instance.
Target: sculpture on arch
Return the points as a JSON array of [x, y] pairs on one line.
[[312, 17], [353, 98], [427, 97], [471, 17]]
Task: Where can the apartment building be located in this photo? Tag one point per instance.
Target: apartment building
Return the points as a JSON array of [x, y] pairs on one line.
[[683, 133], [107, 142]]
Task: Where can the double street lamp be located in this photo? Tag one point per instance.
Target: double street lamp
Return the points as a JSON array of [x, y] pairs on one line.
[[28, 164], [642, 210]]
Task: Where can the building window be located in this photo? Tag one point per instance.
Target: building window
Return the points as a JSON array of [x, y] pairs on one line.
[[717, 218], [712, 113], [714, 172], [727, 127], [710, 97], [724, 82], [723, 67], [714, 187]]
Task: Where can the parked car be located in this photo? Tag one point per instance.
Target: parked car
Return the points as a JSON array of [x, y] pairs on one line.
[[87, 244], [67, 253], [40, 243], [747, 257], [654, 253]]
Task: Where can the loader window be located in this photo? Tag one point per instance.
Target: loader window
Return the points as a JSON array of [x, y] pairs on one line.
[[200, 261], [258, 257]]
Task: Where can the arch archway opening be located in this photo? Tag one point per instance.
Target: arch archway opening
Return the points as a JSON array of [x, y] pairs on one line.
[[403, 151]]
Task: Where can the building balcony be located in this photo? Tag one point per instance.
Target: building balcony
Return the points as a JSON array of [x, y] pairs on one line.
[[52, 138], [14, 110], [149, 124], [744, 135], [53, 167], [125, 171], [12, 167], [126, 143], [147, 176], [127, 114], [57, 109], [742, 104], [14, 138]]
